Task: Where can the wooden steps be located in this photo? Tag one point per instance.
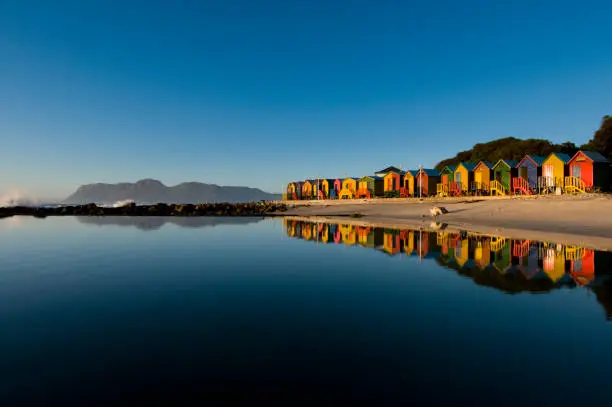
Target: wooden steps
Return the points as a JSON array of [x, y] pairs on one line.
[[497, 188], [574, 185]]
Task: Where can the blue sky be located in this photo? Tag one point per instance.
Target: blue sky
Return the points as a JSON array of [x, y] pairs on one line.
[[261, 93]]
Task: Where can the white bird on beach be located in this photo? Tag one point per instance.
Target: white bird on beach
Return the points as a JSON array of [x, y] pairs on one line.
[[438, 210]]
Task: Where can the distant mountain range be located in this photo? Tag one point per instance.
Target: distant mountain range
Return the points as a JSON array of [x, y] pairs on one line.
[[151, 191]]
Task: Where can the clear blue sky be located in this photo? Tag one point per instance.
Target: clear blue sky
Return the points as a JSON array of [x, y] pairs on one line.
[[259, 93]]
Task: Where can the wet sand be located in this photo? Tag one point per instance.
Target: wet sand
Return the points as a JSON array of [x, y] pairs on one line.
[[574, 220]]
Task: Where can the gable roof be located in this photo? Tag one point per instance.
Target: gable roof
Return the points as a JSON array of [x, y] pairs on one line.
[[430, 171], [488, 164], [389, 169], [508, 163], [536, 159], [593, 156], [563, 157], [374, 177], [467, 166], [411, 172], [353, 178], [450, 168]]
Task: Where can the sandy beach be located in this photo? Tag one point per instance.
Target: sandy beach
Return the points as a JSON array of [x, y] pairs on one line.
[[575, 220]]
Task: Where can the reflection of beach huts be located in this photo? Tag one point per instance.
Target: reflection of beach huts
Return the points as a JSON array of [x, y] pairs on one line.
[[369, 237], [482, 253], [462, 252], [408, 241], [349, 188], [426, 181], [503, 173], [391, 242], [392, 183], [582, 266], [408, 188], [588, 170], [369, 187], [501, 254], [529, 170], [553, 261], [349, 235], [554, 171], [527, 258], [482, 178]]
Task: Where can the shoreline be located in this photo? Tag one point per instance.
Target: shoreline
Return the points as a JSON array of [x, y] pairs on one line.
[[570, 220]]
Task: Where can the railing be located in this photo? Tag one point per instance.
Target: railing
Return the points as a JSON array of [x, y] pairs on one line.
[[521, 248], [520, 184], [404, 192], [478, 187], [496, 186], [363, 193], [442, 189], [575, 184], [455, 188], [498, 243], [574, 253]]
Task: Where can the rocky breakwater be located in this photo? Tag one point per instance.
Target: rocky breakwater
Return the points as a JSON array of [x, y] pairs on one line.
[[161, 209]]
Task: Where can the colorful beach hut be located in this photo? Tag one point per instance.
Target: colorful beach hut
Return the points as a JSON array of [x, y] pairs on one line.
[[588, 170], [503, 173], [307, 189], [426, 181], [369, 187], [291, 193], [554, 170], [464, 176], [393, 182], [447, 176], [326, 186], [349, 188], [298, 189], [335, 192], [482, 178], [408, 186], [529, 170]]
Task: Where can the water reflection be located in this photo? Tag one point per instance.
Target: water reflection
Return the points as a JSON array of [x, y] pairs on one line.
[[156, 222], [509, 265]]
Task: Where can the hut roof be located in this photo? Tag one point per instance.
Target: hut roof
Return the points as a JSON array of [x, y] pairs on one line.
[[563, 157], [509, 163], [374, 177], [488, 164], [430, 171], [468, 166], [537, 159], [593, 156], [389, 169], [411, 172]]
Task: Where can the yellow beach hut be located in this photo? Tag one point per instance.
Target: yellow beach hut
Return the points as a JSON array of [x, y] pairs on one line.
[[349, 188], [408, 184], [554, 170], [482, 178]]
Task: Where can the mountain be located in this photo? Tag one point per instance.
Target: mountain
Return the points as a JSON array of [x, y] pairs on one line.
[[150, 191]]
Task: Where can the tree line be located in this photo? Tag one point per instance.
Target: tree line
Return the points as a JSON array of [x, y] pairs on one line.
[[512, 148]]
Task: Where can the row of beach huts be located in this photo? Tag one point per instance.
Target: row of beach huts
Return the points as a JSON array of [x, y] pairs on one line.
[[586, 171]]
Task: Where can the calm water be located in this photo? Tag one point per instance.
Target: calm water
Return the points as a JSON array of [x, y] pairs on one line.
[[95, 311]]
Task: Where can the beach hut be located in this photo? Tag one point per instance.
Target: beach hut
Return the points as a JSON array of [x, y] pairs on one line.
[[446, 177], [503, 173], [335, 192], [464, 176], [554, 171], [529, 170], [393, 182], [482, 178], [408, 186], [588, 170], [307, 189], [325, 185], [426, 181], [387, 170], [349, 188], [369, 187], [299, 185], [291, 193]]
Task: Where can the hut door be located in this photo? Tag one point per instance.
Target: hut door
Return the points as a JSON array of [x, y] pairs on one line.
[[445, 179], [458, 177], [498, 176], [576, 171], [547, 172]]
